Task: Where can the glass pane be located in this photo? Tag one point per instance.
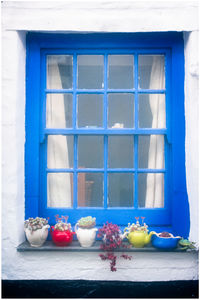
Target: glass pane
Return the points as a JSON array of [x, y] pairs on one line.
[[60, 190], [151, 152], [120, 151], [120, 71], [121, 110], [90, 110], [90, 71], [59, 71], [120, 190], [151, 190], [152, 112], [59, 110], [90, 190], [60, 153], [90, 152], [151, 72]]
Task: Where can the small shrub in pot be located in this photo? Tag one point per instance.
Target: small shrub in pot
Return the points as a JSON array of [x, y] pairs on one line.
[[36, 230], [86, 231], [62, 234]]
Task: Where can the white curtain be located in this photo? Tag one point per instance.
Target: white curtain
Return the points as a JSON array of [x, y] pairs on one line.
[[58, 185], [155, 182]]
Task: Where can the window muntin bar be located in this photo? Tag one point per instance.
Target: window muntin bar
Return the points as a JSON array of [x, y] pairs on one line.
[[103, 89]]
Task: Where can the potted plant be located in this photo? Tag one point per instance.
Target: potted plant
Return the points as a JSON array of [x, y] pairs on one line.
[[186, 244], [165, 240], [86, 231], [137, 233], [62, 234], [112, 239], [36, 231]]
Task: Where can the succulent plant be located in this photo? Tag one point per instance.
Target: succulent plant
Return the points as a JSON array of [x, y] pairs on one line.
[[136, 226], [186, 244], [165, 234], [35, 224], [62, 226], [87, 222]]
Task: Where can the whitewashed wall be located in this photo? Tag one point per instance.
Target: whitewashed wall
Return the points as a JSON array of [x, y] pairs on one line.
[[93, 16]]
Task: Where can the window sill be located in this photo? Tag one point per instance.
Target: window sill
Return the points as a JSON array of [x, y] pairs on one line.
[[75, 247]]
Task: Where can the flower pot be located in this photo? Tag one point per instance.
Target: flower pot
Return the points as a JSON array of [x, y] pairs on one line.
[[61, 238], [165, 243], [139, 239], [36, 238], [85, 236]]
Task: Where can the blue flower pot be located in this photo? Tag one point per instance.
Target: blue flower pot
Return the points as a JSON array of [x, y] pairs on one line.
[[164, 243]]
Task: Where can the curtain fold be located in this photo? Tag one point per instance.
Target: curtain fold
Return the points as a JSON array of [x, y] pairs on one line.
[[155, 184], [59, 185]]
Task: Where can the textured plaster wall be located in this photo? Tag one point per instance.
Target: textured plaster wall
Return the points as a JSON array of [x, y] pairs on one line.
[[108, 16], [192, 127]]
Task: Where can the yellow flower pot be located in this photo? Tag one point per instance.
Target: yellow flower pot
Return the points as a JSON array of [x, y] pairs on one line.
[[139, 239]]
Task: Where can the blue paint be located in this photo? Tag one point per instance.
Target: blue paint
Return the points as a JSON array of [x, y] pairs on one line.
[[102, 131], [105, 186], [164, 243], [32, 130], [75, 193], [175, 214]]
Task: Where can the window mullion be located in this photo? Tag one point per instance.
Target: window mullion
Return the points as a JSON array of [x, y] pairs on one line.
[[74, 91], [136, 90], [135, 204], [74, 120], [105, 171], [75, 185], [105, 91], [105, 127], [136, 171]]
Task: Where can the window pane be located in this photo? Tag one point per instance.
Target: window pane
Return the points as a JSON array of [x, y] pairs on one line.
[[152, 111], [90, 71], [59, 71], [59, 111], [151, 72], [90, 110], [90, 190], [151, 190], [60, 153], [120, 71], [120, 151], [151, 152], [121, 110], [90, 152], [60, 190], [120, 190]]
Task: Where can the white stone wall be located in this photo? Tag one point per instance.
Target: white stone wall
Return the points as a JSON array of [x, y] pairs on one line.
[[94, 16], [192, 127]]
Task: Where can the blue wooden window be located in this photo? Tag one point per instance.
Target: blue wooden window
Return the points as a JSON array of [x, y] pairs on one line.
[[106, 169]]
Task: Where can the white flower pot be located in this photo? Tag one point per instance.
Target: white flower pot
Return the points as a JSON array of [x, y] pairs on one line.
[[37, 237], [86, 237]]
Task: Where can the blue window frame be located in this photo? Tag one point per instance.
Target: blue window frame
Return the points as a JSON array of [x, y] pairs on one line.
[[174, 213]]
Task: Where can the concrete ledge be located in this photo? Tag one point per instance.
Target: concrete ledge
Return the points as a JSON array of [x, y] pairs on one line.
[[75, 247]]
